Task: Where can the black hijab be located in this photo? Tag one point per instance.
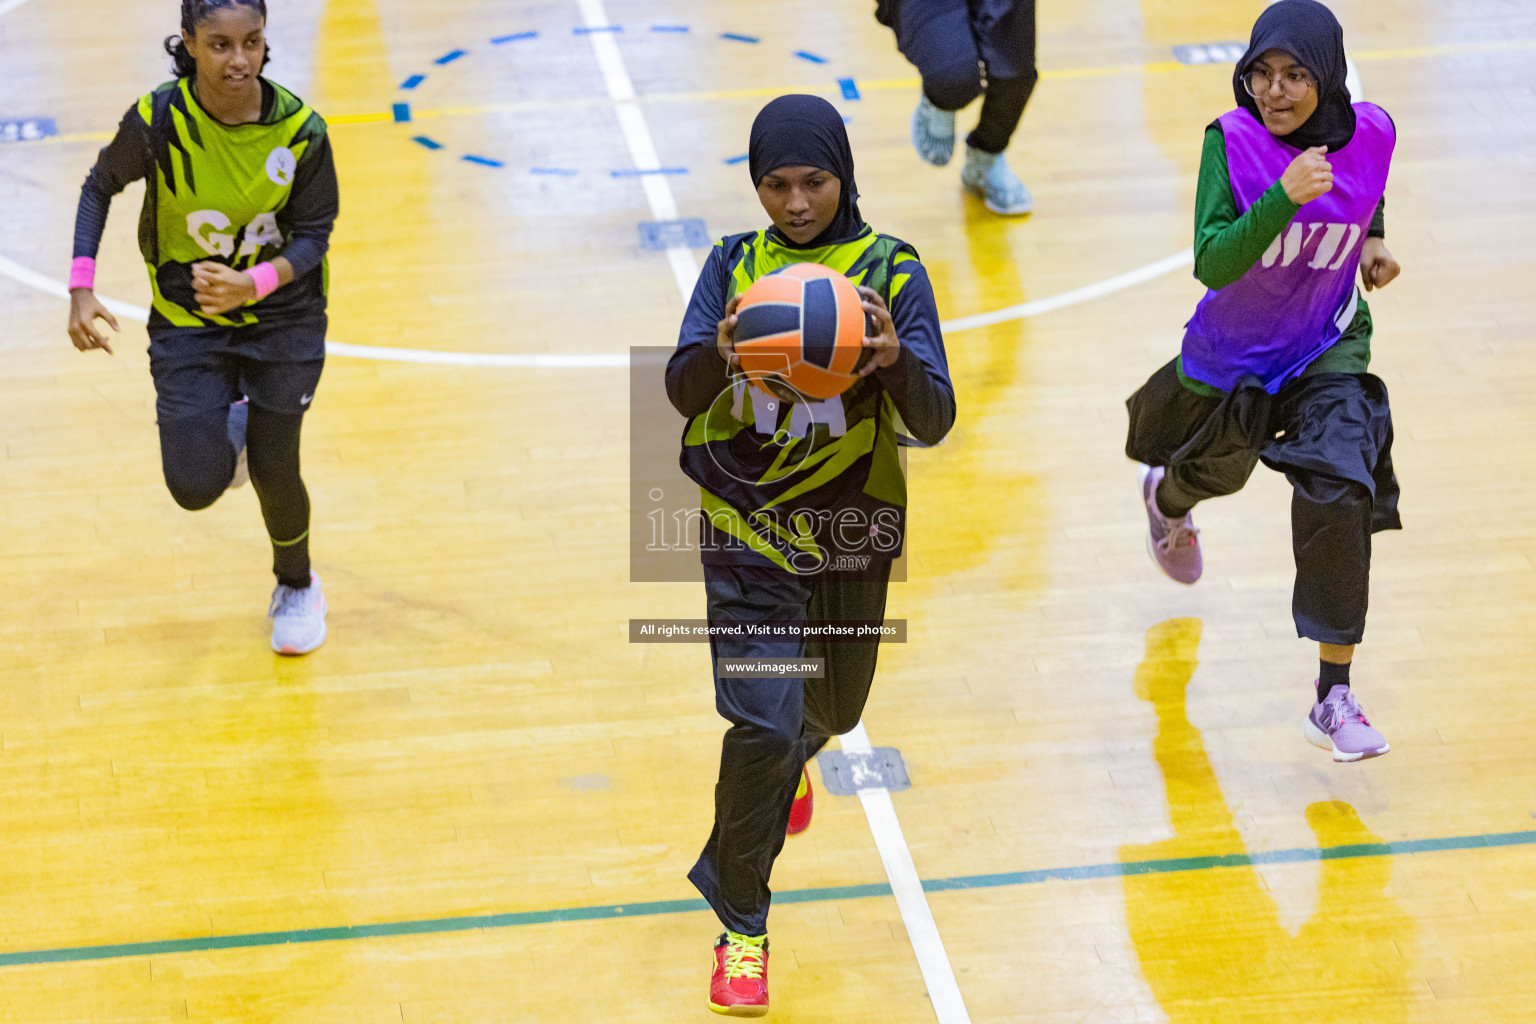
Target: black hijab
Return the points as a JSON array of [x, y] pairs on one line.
[[1310, 33], [807, 131]]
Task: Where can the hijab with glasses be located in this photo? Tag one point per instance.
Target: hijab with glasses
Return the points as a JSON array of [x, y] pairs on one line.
[[807, 131], [1310, 33]]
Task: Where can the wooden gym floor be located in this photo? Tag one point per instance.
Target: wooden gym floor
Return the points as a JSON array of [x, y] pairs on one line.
[[1111, 803]]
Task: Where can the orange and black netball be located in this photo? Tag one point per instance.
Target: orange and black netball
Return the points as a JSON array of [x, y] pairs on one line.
[[803, 325]]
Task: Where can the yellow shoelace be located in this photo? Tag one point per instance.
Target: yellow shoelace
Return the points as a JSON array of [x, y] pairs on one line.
[[744, 955]]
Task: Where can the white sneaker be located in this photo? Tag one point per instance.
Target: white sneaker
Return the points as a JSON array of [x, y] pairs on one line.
[[298, 618]]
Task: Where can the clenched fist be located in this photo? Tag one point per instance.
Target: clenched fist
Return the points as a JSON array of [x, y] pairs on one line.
[[1377, 267], [1309, 176]]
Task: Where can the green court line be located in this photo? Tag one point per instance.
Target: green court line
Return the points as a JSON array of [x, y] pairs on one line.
[[445, 925]]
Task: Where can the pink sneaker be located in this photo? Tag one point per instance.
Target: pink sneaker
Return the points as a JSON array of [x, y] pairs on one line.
[[1174, 544], [1338, 724]]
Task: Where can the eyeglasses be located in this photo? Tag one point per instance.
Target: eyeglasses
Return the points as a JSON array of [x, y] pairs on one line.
[[1294, 83]]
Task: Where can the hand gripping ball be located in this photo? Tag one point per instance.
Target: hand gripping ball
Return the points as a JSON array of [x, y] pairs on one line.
[[803, 325]]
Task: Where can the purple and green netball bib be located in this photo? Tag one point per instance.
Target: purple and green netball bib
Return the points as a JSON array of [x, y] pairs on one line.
[[1299, 297]]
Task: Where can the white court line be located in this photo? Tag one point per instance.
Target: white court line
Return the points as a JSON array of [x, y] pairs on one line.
[[10, 5], [520, 360], [530, 360], [56, 288], [1092, 291], [637, 136], [907, 887]]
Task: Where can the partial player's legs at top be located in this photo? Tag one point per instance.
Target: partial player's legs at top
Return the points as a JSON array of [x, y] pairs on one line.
[[953, 50]]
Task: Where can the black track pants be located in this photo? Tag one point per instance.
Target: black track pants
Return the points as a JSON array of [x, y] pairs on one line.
[[777, 724], [1329, 433]]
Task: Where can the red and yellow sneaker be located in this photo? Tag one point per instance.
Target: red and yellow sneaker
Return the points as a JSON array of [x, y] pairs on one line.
[[800, 810], [739, 987]]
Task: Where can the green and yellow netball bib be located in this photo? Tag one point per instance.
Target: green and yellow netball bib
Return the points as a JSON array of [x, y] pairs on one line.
[[219, 192]]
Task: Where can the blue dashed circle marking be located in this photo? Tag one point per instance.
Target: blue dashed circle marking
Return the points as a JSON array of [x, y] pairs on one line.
[[848, 88]]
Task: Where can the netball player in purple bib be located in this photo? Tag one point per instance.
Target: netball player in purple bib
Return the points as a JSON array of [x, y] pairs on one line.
[[1289, 209]]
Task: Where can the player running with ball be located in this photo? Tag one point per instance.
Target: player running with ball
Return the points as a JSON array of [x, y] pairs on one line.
[[737, 445]]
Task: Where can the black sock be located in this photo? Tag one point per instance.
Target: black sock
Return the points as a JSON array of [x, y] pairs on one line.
[[1330, 675], [290, 562], [1170, 508]]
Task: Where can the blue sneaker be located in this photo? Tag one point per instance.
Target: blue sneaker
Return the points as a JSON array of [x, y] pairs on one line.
[[239, 416], [933, 132], [988, 175]]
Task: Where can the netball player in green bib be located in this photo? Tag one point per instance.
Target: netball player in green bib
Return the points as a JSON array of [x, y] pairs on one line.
[[239, 202], [804, 509]]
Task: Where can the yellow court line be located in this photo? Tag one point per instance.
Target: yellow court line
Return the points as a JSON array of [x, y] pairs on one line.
[[1151, 68], [54, 140], [1159, 67], [359, 118], [1399, 53]]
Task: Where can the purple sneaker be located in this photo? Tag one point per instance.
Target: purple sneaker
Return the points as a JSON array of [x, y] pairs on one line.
[[1338, 724], [1174, 544]]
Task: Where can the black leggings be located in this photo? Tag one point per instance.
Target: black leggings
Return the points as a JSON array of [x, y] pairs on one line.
[[1330, 434], [1001, 110], [199, 462]]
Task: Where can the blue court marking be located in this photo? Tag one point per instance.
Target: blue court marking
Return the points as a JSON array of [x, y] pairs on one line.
[[1210, 53], [738, 159], [632, 173], [28, 129], [403, 114], [447, 925], [687, 233]]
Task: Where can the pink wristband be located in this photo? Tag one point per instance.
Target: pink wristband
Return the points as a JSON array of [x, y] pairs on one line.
[[265, 276], [82, 273]]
